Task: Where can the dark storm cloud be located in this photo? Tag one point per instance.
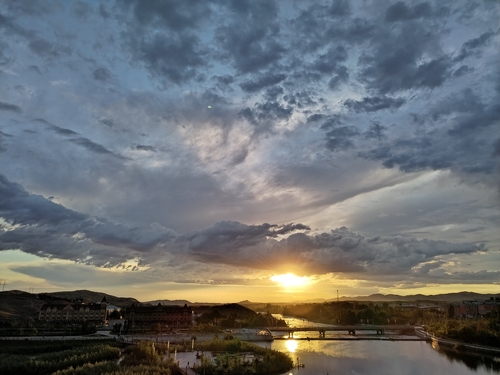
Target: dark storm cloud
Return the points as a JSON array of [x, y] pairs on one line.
[[472, 230], [400, 71], [375, 131], [302, 99], [463, 70], [82, 9], [328, 62], [172, 57], [223, 83], [49, 229], [374, 103], [341, 250], [411, 155], [57, 129], [101, 74], [272, 94], [402, 12], [92, 146], [103, 11], [4, 134], [341, 75], [472, 46], [8, 23], [464, 102], [273, 110], [227, 234], [145, 148], [339, 8], [426, 152], [262, 81], [256, 45], [485, 117], [264, 115], [20, 207], [463, 142], [2, 141], [163, 39], [239, 156], [35, 69], [31, 8], [47, 49], [329, 65], [430, 273], [394, 65], [175, 15], [10, 107], [339, 137], [224, 80], [496, 147]]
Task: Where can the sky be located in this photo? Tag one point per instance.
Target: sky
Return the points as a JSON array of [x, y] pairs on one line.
[[220, 151]]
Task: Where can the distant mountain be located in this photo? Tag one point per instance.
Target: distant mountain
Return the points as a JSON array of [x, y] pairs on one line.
[[447, 297], [89, 296], [378, 297], [232, 309], [167, 302], [21, 306]]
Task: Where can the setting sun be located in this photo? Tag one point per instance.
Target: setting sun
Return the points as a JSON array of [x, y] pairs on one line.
[[289, 280]]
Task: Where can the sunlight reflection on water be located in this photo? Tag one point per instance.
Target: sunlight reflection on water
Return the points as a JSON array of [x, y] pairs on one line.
[[375, 357]]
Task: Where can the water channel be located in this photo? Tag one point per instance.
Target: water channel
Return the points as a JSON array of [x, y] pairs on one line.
[[321, 357]]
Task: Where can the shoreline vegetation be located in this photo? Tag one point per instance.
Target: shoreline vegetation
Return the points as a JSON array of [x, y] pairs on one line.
[[35, 351], [457, 345], [482, 330], [230, 357], [150, 355]]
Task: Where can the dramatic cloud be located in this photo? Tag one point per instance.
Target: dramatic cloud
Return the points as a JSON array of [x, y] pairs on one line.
[[97, 241], [69, 234], [10, 107], [374, 104], [169, 133], [341, 250]]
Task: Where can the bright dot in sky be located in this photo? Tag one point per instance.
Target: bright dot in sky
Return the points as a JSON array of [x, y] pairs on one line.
[[209, 107], [289, 280]]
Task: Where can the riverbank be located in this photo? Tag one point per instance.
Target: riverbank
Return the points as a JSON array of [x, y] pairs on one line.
[[457, 345], [353, 338]]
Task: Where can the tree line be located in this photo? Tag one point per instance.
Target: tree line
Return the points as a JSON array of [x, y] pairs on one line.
[[483, 330]]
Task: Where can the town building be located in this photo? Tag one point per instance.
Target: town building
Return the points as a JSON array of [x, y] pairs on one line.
[[167, 316], [471, 309], [74, 312]]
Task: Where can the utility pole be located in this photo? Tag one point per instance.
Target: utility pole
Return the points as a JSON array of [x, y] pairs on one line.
[[337, 295], [3, 288]]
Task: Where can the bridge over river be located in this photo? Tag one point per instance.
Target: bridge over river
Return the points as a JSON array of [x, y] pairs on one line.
[[350, 329]]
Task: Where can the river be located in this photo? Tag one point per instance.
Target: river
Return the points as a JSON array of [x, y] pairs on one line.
[[331, 357]]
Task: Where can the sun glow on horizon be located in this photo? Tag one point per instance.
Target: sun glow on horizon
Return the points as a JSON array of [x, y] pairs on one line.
[[289, 280]]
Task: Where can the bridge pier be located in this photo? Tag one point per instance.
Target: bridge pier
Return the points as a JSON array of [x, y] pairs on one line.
[[322, 334], [290, 334], [380, 331], [351, 331]]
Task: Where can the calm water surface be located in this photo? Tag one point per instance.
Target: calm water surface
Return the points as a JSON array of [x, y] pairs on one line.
[[380, 357]]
